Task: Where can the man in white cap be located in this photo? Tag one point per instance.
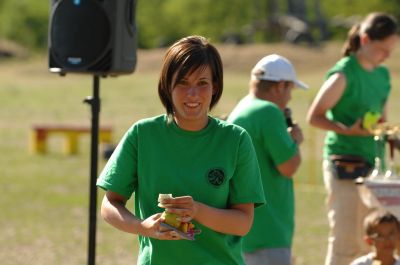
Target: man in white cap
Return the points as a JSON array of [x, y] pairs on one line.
[[276, 140]]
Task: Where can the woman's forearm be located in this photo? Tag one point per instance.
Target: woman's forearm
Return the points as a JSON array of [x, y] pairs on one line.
[[322, 122], [236, 220], [116, 214]]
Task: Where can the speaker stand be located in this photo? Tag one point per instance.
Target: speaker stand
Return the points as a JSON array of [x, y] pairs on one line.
[[94, 102]]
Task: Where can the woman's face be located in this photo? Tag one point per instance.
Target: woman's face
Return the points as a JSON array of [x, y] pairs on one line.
[[191, 98], [377, 51]]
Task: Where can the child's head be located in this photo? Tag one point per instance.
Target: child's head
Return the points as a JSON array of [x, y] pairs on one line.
[[382, 231]]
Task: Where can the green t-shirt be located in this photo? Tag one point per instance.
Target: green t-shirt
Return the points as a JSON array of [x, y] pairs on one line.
[[273, 225], [366, 91], [216, 166]]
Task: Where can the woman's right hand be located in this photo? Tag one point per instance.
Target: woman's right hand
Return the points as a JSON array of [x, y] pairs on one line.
[[357, 130]]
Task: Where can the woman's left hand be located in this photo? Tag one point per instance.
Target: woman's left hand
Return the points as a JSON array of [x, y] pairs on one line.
[[235, 220], [183, 206]]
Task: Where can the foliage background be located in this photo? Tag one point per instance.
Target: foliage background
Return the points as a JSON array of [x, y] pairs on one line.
[[160, 22]]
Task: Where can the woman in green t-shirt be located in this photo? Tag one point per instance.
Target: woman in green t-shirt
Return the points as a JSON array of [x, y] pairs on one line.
[[208, 166], [357, 86]]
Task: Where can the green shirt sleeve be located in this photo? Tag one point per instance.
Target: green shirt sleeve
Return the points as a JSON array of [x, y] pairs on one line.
[[119, 175], [246, 185], [277, 140]]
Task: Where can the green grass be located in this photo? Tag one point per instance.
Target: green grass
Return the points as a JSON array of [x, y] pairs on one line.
[[44, 198]]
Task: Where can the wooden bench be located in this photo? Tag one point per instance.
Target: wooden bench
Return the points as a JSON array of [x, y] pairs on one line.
[[41, 132]]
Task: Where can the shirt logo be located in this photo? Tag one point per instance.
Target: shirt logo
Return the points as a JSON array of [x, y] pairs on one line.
[[216, 177]]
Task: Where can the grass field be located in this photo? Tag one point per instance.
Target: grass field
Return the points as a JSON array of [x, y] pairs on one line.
[[44, 198]]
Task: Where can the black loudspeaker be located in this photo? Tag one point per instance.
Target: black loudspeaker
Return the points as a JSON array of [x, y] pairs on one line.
[[92, 36]]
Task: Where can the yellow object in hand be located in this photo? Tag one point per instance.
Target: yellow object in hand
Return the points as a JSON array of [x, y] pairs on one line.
[[171, 219], [370, 120]]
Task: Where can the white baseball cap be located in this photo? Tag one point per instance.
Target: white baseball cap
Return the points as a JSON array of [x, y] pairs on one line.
[[276, 68]]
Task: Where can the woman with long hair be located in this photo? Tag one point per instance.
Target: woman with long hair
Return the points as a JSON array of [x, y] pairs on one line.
[[356, 88]]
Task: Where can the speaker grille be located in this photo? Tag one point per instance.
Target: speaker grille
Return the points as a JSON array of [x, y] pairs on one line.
[[104, 65], [80, 34]]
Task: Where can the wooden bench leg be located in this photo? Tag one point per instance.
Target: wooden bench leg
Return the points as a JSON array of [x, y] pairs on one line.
[[105, 137], [38, 141], [71, 143]]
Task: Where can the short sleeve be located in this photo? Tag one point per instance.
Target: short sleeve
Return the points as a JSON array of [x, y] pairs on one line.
[[246, 185], [120, 173], [277, 140]]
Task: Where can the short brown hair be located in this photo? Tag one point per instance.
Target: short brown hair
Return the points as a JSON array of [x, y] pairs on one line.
[[185, 56], [376, 218]]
